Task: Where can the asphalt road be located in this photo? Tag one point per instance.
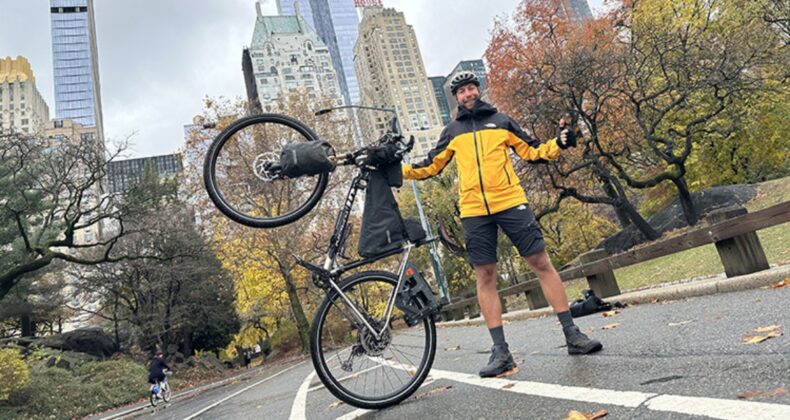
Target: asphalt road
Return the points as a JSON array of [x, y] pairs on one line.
[[675, 360]]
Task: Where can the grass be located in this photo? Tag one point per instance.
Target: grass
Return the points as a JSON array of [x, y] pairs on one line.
[[704, 260]]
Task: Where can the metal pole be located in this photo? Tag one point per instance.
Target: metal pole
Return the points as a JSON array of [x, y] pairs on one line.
[[437, 266]]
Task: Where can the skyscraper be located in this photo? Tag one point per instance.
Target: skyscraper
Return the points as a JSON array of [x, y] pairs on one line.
[[76, 64], [391, 74], [22, 108], [336, 23], [286, 54], [437, 83], [576, 10]]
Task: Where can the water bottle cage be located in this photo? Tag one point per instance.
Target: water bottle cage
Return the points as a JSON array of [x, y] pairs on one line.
[[415, 299]]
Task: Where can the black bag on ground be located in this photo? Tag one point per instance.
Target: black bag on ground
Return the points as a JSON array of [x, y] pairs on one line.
[[590, 304], [383, 228], [306, 158]]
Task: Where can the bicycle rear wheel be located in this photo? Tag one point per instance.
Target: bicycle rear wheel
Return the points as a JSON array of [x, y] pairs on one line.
[[353, 364], [237, 173]]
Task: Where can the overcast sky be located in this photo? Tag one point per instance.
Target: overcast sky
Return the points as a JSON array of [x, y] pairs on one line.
[[159, 58]]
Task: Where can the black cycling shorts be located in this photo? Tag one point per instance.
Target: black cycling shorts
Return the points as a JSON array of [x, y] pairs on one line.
[[518, 223]]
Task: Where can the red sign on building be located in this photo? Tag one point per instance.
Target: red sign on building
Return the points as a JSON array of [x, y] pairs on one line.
[[368, 3]]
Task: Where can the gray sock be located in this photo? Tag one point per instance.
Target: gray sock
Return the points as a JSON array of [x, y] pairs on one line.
[[565, 319], [498, 335]]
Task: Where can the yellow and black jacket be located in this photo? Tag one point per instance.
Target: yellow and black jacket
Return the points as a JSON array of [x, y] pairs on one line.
[[480, 140]]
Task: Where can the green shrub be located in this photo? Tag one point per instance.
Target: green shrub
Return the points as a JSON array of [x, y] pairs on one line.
[[14, 372], [92, 387]]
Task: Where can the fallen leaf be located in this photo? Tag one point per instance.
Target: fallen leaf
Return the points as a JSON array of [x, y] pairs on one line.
[[610, 326], [609, 314], [781, 284], [433, 391], [510, 385], [755, 339], [412, 372], [580, 415], [768, 328], [336, 404], [675, 324], [654, 300], [761, 394], [458, 347]]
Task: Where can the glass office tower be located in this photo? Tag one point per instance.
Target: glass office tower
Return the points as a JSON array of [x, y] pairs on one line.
[[75, 63]]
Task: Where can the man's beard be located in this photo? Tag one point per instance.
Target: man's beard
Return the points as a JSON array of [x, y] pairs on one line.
[[471, 101]]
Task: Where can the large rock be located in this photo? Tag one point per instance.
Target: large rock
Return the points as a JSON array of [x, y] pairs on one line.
[[671, 216], [93, 341]]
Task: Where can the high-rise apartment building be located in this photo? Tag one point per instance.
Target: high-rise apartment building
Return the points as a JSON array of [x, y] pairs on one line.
[[76, 63], [576, 10], [437, 83], [391, 74], [336, 23], [123, 174], [22, 109], [475, 66], [285, 55]]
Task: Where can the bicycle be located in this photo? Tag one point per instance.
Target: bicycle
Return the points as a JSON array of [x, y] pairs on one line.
[[373, 337], [161, 390]]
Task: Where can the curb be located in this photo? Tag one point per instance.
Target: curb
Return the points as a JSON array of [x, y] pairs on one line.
[[197, 390], [674, 292]]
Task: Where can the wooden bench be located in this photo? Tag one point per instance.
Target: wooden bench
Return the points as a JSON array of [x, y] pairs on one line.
[[732, 230]]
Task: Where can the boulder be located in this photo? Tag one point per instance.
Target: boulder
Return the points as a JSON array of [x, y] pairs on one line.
[[671, 216], [93, 341], [177, 358]]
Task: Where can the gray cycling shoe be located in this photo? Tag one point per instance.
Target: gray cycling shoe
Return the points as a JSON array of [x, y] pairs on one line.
[[500, 363], [578, 343]]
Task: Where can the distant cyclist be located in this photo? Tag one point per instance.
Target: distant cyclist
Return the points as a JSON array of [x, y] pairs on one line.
[[156, 369], [480, 139]]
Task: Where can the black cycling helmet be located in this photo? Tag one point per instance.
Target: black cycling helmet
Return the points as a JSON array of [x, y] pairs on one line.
[[463, 78]]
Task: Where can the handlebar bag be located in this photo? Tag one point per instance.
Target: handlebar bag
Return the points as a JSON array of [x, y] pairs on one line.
[[306, 158]]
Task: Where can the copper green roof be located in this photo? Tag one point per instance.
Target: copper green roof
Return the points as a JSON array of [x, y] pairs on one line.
[[266, 26]]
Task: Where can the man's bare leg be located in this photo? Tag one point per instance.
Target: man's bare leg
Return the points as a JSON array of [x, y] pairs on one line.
[[501, 362], [554, 290], [487, 295]]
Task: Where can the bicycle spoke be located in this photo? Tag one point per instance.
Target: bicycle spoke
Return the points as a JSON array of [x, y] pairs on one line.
[[379, 369]]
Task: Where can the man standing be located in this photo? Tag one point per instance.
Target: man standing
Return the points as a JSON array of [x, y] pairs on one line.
[[490, 197]]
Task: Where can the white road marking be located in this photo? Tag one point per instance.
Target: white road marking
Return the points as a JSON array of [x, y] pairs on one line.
[[299, 407], [719, 408], [240, 391], [711, 407]]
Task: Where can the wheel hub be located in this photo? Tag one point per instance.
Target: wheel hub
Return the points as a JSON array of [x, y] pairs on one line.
[[374, 346]]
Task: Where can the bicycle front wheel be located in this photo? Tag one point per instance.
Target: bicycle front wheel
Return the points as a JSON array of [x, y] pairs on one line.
[[237, 174], [356, 366]]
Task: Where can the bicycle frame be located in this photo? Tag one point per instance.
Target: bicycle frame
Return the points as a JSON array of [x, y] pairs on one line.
[[339, 236]]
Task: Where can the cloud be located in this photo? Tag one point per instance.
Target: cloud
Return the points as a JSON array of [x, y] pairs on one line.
[[158, 59]]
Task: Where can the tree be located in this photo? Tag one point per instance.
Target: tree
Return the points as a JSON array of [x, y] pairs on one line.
[[50, 190], [184, 296], [688, 64], [542, 66]]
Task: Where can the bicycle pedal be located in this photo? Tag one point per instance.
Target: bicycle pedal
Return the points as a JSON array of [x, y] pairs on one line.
[[508, 373]]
